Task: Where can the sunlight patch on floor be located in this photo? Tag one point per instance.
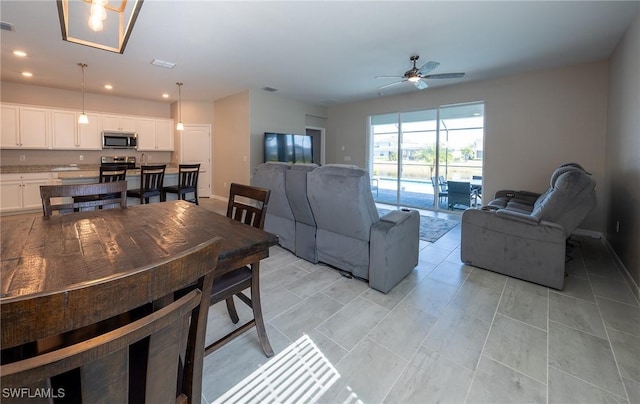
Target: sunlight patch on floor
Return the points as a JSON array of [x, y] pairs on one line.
[[300, 373]]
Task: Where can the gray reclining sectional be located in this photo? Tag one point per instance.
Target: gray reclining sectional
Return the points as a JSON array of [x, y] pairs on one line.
[[336, 222], [523, 234]]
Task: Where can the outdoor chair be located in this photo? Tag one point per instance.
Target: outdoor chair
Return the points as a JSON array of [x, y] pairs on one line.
[[439, 189], [459, 195]]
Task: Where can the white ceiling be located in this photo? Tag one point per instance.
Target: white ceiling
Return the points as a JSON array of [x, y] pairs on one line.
[[316, 51]]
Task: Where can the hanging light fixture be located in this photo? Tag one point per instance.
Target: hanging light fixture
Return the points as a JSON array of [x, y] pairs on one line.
[[179, 126], [83, 118], [98, 14]]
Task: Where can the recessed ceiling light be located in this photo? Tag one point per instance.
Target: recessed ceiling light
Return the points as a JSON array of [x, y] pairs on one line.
[[20, 53], [27, 74], [165, 95], [108, 86]]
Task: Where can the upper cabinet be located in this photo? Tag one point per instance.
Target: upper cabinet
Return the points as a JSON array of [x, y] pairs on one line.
[[24, 127], [68, 134], [10, 129], [119, 123], [155, 134]]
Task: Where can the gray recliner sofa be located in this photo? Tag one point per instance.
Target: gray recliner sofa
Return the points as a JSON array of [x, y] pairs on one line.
[[351, 236], [523, 234], [305, 223], [279, 219]]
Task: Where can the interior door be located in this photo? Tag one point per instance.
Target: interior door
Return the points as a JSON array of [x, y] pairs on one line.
[[195, 147]]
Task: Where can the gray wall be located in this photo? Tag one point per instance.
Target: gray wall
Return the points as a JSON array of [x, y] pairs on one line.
[[534, 122], [623, 151]]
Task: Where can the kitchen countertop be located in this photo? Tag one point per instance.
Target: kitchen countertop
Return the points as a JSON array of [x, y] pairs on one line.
[[68, 171]]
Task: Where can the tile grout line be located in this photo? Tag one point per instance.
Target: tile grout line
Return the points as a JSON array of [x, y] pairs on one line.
[[493, 319], [606, 332]]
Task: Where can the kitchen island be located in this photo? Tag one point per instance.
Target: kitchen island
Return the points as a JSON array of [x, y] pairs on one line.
[[20, 185]]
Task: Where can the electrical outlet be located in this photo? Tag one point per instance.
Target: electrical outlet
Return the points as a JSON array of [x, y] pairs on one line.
[[81, 157], [224, 185], [23, 157]]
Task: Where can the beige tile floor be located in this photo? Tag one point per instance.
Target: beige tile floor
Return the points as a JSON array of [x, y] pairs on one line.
[[447, 333]]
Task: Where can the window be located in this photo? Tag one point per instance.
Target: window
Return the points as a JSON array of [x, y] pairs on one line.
[[411, 152]]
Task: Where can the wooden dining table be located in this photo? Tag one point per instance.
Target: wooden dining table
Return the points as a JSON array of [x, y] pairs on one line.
[[62, 273]]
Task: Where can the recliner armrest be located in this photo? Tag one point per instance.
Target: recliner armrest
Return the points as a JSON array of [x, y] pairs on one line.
[[393, 248], [521, 217]]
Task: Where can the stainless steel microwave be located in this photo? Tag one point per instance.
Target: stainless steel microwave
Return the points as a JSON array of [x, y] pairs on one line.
[[119, 140]]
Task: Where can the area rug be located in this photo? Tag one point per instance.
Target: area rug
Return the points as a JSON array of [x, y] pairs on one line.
[[431, 228]]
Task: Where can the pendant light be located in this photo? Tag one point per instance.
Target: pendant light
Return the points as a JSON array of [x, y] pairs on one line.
[[179, 126], [83, 118]]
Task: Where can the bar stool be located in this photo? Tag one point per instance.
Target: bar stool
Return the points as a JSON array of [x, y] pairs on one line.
[[107, 174], [151, 179], [187, 183]]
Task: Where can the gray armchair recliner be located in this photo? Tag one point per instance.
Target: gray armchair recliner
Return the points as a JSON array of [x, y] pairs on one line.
[[351, 236], [523, 234]]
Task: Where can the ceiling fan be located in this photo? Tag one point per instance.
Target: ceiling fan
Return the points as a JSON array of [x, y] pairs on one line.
[[417, 76]]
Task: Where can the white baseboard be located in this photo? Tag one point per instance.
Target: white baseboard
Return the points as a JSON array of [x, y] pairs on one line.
[[632, 283], [588, 233], [220, 198], [625, 273]]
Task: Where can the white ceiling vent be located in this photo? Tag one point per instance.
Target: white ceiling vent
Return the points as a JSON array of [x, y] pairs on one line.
[[7, 26], [162, 63]]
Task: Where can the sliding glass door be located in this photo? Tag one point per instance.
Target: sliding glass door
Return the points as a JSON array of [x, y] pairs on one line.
[[414, 153]]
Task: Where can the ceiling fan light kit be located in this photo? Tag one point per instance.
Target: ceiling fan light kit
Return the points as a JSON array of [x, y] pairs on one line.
[[418, 76]]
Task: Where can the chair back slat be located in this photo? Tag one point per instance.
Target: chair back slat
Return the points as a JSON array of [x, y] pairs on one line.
[[188, 175], [104, 364], [111, 193], [248, 204], [113, 173], [151, 178]]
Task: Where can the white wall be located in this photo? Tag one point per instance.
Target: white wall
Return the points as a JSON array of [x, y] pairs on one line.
[[534, 122], [623, 151], [272, 113]]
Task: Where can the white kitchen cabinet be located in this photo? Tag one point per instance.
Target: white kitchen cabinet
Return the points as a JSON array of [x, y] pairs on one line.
[[24, 127], [68, 134], [9, 137], [34, 128], [155, 134], [119, 123], [90, 135], [64, 130], [20, 192]]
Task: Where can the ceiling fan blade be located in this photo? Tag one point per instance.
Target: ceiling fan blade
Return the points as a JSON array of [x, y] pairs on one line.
[[389, 77], [420, 84], [427, 67], [392, 84], [444, 76]]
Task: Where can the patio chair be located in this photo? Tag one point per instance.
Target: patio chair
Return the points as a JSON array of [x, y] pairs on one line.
[[440, 189]]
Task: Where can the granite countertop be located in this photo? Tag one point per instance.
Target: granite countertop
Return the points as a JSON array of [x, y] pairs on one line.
[[71, 171]]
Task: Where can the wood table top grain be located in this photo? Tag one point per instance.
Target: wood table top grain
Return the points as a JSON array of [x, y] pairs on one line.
[[48, 261]]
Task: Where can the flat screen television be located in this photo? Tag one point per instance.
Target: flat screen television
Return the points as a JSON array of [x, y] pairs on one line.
[[288, 147]]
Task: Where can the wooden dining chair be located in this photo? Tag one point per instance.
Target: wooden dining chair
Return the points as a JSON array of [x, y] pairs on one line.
[[248, 205], [111, 194], [103, 361], [151, 180], [187, 183]]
